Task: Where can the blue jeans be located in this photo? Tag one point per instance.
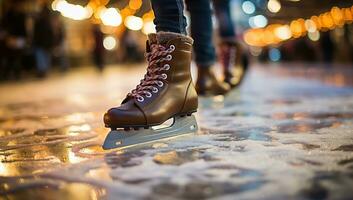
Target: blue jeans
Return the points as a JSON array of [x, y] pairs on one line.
[[201, 31], [169, 16], [43, 59], [224, 18]]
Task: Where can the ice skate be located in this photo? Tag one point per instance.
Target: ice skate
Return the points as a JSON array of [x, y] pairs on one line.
[[165, 92], [207, 83], [234, 62]]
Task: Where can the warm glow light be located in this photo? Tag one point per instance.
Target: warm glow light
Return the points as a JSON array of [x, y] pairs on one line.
[[310, 26], [274, 6], [252, 38], [316, 20], [262, 34], [327, 21], [133, 23], [297, 27], [314, 36], [348, 15], [283, 32], [148, 27], [109, 43], [135, 4], [337, 16], [148, 16], [76, 12], [110, 17]]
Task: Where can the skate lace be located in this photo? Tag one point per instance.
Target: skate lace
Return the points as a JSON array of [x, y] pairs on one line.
[[154, 76]]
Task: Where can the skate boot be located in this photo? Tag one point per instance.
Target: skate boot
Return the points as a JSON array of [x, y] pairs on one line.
[[234, 62], [207, 83], [165, 92]]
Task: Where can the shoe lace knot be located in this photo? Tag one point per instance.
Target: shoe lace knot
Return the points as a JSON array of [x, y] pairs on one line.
[[155, 75]]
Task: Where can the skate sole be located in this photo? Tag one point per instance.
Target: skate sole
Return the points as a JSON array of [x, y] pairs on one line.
[[124, 139], [137, 127]]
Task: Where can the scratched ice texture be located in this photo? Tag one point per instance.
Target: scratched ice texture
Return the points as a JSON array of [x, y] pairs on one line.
[[280, 136]]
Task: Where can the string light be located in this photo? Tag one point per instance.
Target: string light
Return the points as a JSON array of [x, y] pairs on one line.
[[72, 11], [110, 17], [276, 33], [274, 6], [133, 23]]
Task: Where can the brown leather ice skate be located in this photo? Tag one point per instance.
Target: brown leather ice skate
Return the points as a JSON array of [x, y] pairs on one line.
[[166, 91], [234, 62], [207, 83]]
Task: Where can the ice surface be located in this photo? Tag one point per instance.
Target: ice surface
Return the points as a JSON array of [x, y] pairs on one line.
[[277, 137]]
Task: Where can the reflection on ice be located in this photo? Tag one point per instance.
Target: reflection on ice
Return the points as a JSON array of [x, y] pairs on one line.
[[262, 141]]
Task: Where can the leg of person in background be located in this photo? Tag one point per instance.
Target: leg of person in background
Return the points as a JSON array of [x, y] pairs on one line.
[[201, 31], [165, 92], [232, 57], [43, 61]]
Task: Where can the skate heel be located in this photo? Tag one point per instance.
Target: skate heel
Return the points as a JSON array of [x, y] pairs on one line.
[[189, 113]]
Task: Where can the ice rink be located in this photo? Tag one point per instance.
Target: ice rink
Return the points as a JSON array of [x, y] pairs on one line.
[[286, 133]]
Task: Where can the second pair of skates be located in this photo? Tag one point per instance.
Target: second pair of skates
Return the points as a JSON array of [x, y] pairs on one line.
[[165, 92]]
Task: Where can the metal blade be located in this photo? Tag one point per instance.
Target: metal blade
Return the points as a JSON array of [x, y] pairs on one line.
[[122, 138]]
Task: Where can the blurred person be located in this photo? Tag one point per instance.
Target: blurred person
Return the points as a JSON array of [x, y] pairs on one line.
[[43, 39], [204, 49], [14, 39], [129, 43], [98, 49], [2, 52], [59, 44], [232, 56]]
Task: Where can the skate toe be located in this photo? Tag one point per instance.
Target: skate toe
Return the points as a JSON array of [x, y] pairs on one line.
[[121, 118]]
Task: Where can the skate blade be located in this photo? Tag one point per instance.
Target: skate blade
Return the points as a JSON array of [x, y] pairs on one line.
[[124, 139]]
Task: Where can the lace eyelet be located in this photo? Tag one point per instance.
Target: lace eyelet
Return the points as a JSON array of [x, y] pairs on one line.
[[172, 47], [169, 57], [166, 67], [160, 84], [148, 95], [154, 90], [140, 99], [164, 76]]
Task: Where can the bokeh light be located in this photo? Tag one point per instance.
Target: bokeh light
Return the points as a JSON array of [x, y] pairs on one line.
[[274, 54], [258, 21], [314, 36], [283, 32], [110, 17], [75, 12], [248, 7], [274, 6], [133, 23], [148, 27], [109, 43]]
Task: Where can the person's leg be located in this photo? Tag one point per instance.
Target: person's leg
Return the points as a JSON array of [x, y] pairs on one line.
[[204, 49], [201, 31], [169, 16], [166, 91], [40, 61], [226, 27], [231, 56]]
